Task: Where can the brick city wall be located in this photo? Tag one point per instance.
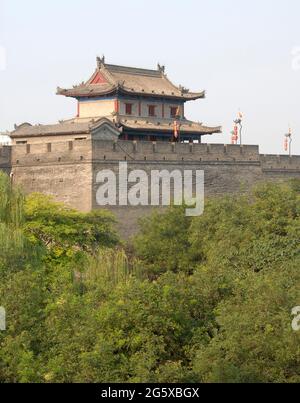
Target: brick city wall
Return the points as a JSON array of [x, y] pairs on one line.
[[68, 170]]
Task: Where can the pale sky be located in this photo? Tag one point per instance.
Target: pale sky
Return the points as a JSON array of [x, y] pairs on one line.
[[240, 52]]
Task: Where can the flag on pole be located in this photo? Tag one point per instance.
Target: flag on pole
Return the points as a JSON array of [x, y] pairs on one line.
[[235, 135], [287, 140], [286, 144], [176, 130]]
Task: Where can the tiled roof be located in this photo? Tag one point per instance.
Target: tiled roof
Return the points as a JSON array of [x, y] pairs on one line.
[[47, 130], [72, 126], [110, 78], [167, 125], [86, 127]]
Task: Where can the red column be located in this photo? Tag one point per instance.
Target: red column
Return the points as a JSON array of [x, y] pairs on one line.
[[116, 105]]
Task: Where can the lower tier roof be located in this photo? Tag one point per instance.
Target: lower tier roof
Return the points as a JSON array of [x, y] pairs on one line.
[[78, 126], [167, 125]]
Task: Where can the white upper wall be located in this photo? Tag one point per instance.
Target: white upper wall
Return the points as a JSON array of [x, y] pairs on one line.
[[99, 108], [92, 109]]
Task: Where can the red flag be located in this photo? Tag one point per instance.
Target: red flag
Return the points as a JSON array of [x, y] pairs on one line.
[[176, 129], [286, 144], [176, 124], [235, 135]]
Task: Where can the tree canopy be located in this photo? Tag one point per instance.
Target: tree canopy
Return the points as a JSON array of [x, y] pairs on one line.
[[204, 299]]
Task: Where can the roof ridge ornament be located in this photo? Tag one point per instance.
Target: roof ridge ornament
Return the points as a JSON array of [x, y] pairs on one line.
[[114, 79], [161, 68], [121, 83], [100, 61], [183, 90]]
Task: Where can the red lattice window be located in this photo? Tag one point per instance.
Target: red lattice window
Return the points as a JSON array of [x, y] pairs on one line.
[[151, 110], [128, 109], [173, 111]]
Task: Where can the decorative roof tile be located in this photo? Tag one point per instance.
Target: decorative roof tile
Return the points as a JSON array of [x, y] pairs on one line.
[[48, 130], [109, 78], [86, 127], [186, 126]]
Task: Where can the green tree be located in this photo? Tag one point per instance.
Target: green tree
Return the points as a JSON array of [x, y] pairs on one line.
[[60, 227], [15, 250], [205, 299], [250, 232], [162, 243], [255, 341]]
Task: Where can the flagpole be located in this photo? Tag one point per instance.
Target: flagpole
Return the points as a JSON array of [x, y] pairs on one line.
[[288, 142], [239, 122], [241, 128]]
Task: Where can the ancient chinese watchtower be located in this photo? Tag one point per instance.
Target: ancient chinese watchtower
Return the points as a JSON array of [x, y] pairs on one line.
[[123, 103], [143, 103]]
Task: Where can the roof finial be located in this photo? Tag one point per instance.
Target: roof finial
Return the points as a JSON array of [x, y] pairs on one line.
[[100, 61], [183, 90], [160, 68]]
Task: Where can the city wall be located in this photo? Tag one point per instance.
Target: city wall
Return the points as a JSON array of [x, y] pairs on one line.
[[68, 170]]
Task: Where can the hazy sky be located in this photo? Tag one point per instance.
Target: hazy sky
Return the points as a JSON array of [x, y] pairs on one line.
[[239, 51]]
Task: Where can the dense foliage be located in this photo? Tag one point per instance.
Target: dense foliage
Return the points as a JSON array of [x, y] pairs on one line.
[[204, 299]]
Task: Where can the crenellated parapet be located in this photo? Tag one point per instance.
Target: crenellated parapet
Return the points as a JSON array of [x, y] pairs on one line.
[[70, 152], [279, 163], [68, 170], [83, 151]]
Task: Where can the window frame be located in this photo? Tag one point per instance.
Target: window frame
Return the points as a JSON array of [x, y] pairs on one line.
[[171, 110], [130, 106], [153, 108]]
